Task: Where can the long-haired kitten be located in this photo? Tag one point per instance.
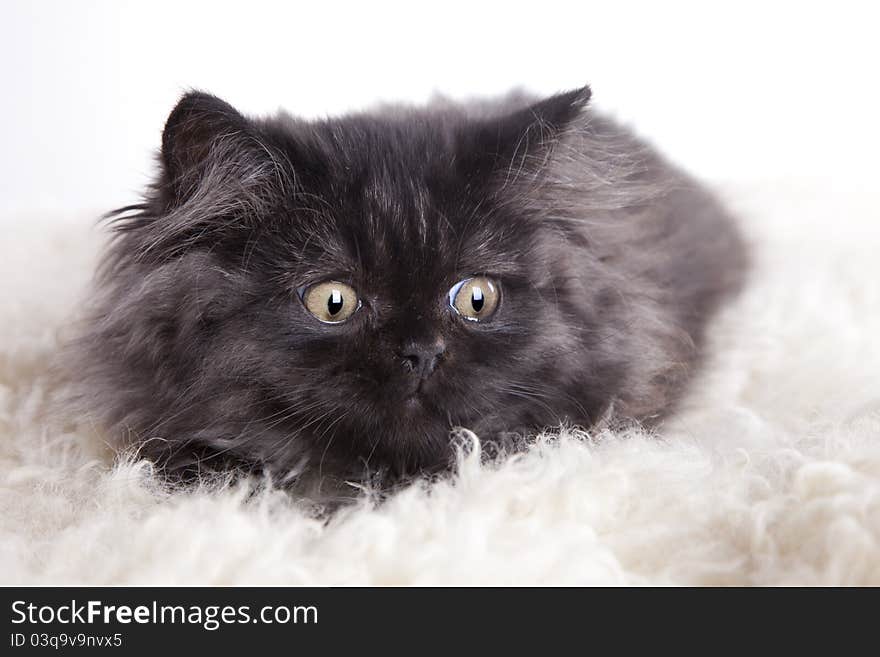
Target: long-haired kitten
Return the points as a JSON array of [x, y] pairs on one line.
[[336, 297]]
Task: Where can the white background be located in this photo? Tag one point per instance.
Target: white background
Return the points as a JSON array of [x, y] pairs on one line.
[[737, 91]]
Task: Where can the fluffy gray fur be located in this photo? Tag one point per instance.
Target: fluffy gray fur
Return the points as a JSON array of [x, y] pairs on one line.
[[196, 351]]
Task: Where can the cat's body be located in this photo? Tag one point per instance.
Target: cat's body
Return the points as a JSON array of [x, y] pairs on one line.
[[206, 345]]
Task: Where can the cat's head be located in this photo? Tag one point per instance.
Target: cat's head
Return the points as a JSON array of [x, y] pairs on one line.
[[360, 286]]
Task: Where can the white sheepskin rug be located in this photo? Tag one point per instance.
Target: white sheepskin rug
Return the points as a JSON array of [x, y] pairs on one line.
[[770, 474]]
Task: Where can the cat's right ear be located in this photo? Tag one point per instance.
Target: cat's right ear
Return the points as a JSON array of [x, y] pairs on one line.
[[199, 126]]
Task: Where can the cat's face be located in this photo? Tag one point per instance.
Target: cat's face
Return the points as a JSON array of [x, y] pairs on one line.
[[362, 286], [408, 311]]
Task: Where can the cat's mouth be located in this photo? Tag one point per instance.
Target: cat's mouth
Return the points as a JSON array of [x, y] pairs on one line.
[[413, 402], [416, 395]]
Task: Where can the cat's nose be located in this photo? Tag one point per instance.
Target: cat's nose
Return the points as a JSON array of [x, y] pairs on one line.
[[421, 358]]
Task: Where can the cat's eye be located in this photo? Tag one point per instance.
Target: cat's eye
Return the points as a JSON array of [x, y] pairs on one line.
[[331, 302], [476, 299]]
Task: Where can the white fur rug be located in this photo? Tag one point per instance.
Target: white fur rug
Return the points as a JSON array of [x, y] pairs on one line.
[[769, 475]]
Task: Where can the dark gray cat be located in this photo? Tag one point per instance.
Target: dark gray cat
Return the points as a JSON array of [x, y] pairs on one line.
[[335, 296]]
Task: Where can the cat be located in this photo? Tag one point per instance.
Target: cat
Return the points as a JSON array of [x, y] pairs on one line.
[[333, 298]]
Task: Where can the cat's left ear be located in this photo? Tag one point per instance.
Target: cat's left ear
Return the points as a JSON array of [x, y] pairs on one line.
[[524, 138]]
